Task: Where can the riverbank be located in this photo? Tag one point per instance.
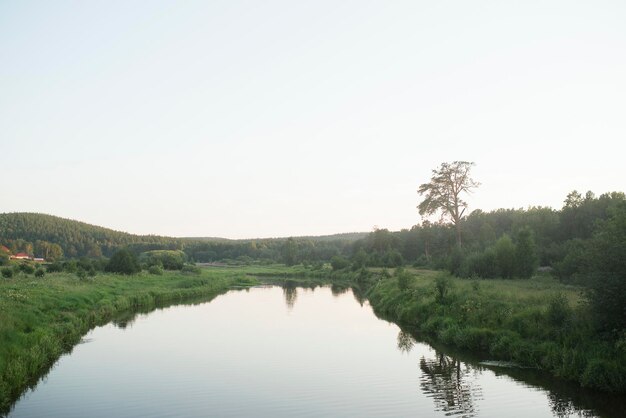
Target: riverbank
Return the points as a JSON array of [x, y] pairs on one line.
[[42, 318], [538, 323]]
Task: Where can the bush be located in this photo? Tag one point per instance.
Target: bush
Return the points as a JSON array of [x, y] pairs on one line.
[[558, 310], [7, 272], [339, 263], [55, 267], [403, 277], [27, 268], [156, 270], [526, 259], [167, 259], [123, 262], [40, 273], [191, 269], [505, 257], [70, 266], [443, 285]]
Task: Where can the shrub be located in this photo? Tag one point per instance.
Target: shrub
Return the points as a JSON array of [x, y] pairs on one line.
[[443, 286], [70, 266], [55, 267], [123, 262], [40, 273], [403, 277], [168, 259], [558, 310], [27, 268], [339, 263], [7, 272], [526, 259], [505, 257], [191, 269], [156, 269]]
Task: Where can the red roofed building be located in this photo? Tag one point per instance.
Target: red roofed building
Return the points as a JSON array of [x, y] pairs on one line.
[[4, 249], [20, 256]]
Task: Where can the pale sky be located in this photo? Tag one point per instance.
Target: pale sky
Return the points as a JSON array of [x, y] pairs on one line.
[[278, 118]]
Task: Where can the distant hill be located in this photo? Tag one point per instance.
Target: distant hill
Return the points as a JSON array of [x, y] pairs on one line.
[[53, 237], [347, 236], [34, 233]]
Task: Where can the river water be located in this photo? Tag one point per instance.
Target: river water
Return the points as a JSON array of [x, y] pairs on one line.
[[287, 352]]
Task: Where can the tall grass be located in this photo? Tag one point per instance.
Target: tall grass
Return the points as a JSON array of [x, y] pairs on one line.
[[538, 323]]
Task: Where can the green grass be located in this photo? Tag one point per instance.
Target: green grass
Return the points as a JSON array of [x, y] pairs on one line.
[[537, 323], [41, 318]]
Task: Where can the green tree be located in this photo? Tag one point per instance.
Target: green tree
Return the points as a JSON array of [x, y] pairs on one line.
[[290, 252], [526, 259], [443, 192], [338, 262], [607, 273], [123, 262], [505, 257]]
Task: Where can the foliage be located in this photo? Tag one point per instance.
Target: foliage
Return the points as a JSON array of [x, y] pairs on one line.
[[167, 259], [538, 323], [123, 262], [526, 260], [443, 286], [339, 263], [26, 267], [155, 269], [403, 277], [607, 272], [443, 192], [52, 237], [505, 257], [40, 273], [7, 272], [190, 269]]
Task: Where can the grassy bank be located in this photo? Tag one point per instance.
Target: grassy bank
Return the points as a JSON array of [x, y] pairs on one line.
[[538, 323], [42, 318]]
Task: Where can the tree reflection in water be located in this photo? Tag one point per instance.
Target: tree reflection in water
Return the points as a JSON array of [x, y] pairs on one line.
[[405, 342], [291, 295], [451, 384]]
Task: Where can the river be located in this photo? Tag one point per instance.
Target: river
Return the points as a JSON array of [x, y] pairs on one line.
[[286, 352]]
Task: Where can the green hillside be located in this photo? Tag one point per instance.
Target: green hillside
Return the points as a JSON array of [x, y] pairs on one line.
[[43, 235]]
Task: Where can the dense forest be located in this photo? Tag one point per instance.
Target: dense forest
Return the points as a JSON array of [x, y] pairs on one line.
[[494, 243]]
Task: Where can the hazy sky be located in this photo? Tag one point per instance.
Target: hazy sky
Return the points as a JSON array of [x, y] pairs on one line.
[[277, 118]]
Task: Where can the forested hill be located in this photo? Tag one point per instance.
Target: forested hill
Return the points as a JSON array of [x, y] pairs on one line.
[[54, 237]]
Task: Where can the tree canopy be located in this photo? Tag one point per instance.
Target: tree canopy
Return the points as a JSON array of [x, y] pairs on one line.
[[443, 192]]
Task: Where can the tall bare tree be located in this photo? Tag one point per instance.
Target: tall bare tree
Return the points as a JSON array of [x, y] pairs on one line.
[[443, 192]]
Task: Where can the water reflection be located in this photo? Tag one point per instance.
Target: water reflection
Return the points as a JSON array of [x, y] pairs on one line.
[[291, 295], [338, 290], [451, 384], [451, 379], [405, 341]]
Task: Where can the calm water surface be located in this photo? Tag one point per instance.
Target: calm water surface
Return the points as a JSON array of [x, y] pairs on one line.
[[274, 352]]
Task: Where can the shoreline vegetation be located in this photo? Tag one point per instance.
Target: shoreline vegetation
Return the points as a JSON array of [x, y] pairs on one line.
[[43, 318], [539, 323]]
